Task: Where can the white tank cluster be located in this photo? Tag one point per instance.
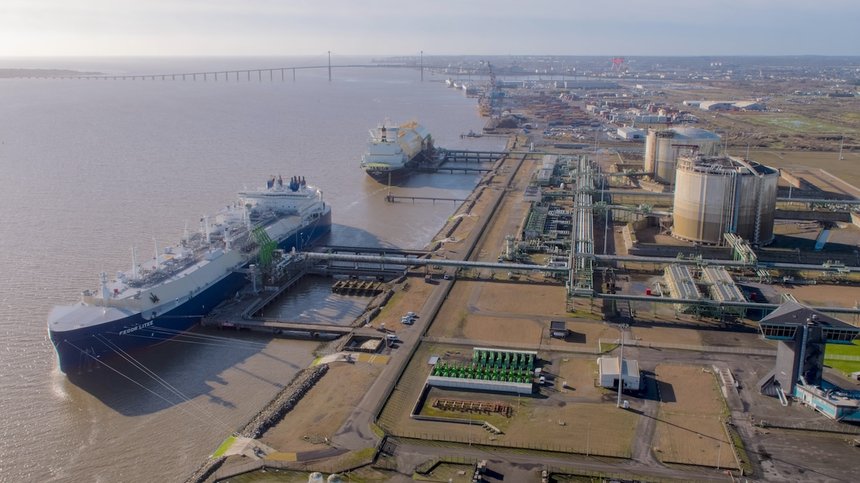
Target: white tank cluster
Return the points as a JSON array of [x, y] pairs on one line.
[[663, 148], [723, 194]]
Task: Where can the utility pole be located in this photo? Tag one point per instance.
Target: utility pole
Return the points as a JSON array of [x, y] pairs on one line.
[[841, 144], [329, 66], [421, 63], [621, 328]]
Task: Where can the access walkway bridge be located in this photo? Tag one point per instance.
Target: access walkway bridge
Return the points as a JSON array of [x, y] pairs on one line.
[[405, 261]]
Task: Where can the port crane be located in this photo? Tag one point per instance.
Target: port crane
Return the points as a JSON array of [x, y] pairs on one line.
[[490, 100]]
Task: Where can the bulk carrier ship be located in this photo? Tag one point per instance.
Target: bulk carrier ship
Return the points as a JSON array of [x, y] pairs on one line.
[[169, 293], [395, 150]]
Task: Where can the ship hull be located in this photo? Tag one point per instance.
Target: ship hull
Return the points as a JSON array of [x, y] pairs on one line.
[[397, 172], [79, 350], [382, 175]]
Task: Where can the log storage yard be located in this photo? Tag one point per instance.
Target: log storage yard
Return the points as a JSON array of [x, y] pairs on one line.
[[656, 280]]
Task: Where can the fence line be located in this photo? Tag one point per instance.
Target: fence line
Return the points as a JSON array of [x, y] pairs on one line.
[[690, 347]]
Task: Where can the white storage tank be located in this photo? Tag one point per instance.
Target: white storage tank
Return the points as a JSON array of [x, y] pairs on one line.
[[663, 147], [721, 194]]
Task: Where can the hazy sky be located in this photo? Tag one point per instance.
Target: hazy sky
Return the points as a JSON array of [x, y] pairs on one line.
[[347, 27]]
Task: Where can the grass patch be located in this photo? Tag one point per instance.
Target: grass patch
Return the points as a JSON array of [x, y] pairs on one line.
[[379, 432], [392, 302], [224, 447], [843, 349], [847, 367], [740, 449], [354, 459], [608, 347]]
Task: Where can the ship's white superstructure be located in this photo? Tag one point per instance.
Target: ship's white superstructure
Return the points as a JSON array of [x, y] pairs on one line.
[[394, 148]]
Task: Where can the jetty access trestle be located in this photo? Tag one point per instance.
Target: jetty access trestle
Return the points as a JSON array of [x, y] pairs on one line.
[[386, 260], [462, 161]]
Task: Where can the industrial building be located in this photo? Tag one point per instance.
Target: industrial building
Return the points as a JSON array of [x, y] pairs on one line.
[[532, 193], [629, 133], [716, 105], [728, 105], [545, 172], [799, 371], [609, 373], [663, 147], [715, 195]]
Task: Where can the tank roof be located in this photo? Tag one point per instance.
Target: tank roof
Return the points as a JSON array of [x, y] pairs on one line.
[[724, 165]]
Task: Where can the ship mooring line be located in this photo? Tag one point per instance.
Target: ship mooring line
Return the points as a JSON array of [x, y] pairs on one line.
[[170, 387], [131, 379], [221, 344], [208, 337]]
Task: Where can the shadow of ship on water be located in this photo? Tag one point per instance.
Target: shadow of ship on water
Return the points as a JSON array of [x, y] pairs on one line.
[[155, 378]]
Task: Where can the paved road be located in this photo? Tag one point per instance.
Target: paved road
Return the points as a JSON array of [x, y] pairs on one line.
[[520, 467]]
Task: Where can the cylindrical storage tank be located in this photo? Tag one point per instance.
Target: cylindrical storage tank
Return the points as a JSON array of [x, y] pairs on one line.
[[756, 207], [663, 147], [716, 195]]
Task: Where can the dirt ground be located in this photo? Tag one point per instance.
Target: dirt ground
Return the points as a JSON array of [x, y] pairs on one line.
[[689, 428], [506, 330], [411, 297], [828, 161], [510, 214], [495, 312], [828, 295], [588, 428], [550, 420], [323, 409], [579, 376], [543, 300], [585, 333], [672, 335]]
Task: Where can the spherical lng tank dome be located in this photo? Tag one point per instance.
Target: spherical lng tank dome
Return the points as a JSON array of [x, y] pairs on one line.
[[716, 195], [662, 148]]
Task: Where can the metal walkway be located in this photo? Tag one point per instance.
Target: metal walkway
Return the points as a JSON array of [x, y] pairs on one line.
[[378, 260], [277, 326]]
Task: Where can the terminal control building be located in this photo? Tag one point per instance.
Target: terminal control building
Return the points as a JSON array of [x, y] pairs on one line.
[[799, 371]]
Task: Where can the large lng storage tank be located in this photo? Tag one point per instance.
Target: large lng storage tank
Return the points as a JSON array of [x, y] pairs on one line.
[[663, 147], [720, 194]]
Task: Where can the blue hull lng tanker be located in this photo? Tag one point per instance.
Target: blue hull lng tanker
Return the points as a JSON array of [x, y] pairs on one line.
[[170, 292]]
